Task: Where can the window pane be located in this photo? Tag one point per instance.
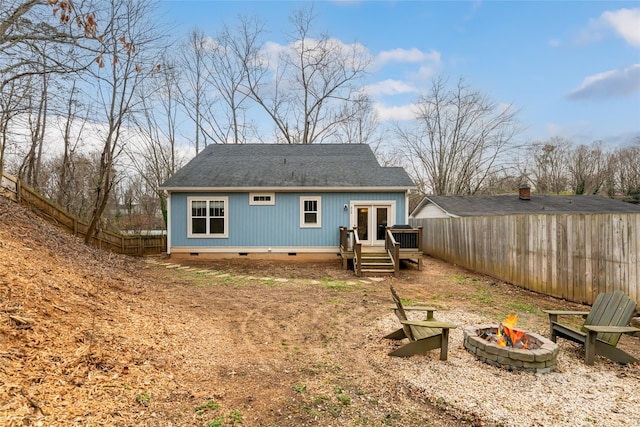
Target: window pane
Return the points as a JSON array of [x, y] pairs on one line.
[[311, 205], [381, 222], [198, 208], [216, 208], [199, 225], [216, 226], [310, 218]]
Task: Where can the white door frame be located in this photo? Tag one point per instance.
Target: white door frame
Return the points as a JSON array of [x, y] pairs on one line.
[[372, 205]]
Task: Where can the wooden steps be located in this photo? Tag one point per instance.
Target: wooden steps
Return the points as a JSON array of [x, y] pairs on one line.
[[377, 263]]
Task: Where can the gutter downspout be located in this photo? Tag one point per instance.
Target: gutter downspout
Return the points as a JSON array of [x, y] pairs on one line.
[[168, 222]]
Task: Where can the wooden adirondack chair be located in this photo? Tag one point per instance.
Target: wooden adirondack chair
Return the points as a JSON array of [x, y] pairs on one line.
[[423, 335], [607, 320]]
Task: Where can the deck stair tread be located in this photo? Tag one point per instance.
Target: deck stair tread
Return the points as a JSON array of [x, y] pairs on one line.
[[377, 262]]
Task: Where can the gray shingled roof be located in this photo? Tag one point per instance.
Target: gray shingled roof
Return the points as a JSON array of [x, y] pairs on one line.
[[539, 204], [280, 166]]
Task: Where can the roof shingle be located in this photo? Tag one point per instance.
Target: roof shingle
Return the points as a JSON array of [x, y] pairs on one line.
[[283, 165], [539, 204]]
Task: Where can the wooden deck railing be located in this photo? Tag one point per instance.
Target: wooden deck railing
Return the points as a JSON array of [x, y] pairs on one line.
[[393, 249], [410, 239], [357, 253], [140, 245], [400, 244], [346, 243], [351, 247]]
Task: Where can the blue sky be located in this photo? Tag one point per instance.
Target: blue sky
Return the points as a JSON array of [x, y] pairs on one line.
[[571, 67]]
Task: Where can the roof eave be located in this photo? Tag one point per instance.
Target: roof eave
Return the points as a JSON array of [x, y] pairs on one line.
[[285, 189]]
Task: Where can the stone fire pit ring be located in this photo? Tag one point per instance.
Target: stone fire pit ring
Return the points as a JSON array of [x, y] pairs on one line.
[[540, 356]]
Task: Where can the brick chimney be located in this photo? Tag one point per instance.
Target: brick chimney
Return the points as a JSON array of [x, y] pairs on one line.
[[524, 192]]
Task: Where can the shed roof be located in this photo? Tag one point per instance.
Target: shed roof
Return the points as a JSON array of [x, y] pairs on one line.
[[273, 166], [538, 204]]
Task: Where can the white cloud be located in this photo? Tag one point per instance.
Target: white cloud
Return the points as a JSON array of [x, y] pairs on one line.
[[613, 83], [352, 54], [583, 132], [625, 22], [425, 72], [389, 87], [272, 51], [407, 55], [403, 112]]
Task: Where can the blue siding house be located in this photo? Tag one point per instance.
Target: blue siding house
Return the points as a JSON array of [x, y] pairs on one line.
[[275, 199]]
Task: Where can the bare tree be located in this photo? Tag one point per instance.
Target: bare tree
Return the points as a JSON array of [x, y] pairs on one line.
[[31, 29], [12, 104], [67, 177], [589, 168], [627, 175], [70, 181], [227, 76], [194, 96], [550, 170], [359, 124], [305, 89], [457, 139], [132, 46], [154, 157], [37, 39], [30, 169]]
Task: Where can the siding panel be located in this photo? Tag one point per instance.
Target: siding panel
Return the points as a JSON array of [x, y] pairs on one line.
[[274, 226]]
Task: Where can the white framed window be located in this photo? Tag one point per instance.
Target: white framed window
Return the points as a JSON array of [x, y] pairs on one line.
[[262, 198], [208, 217], [310, 211]]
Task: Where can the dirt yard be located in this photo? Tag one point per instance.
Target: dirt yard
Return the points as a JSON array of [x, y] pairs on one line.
[[89, 338]]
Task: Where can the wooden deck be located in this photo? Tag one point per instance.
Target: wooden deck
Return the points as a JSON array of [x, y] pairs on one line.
[[400, 244]]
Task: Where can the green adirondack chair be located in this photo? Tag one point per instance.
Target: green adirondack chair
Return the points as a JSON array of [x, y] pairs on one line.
[[604, 324], [423, 335]]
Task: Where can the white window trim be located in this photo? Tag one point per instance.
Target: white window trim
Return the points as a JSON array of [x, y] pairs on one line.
[[317, 224], [262, 202], [224, 235]]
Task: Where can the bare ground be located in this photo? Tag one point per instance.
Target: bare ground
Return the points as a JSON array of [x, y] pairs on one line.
[[91, 338]]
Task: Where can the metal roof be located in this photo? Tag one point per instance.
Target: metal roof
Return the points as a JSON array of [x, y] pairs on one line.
[[285, 166]]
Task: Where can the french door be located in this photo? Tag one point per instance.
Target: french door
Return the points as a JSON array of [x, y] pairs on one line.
[[371, 221]]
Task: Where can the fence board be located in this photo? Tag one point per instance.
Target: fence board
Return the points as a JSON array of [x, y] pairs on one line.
[[15, 190], [634, 255], [567, 256], [588, 258]]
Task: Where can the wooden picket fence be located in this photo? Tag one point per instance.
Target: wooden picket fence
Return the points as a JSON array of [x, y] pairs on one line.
[[139, 245], [575, 257]]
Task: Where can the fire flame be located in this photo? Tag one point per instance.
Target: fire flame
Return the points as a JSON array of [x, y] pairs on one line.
[[507, 336]]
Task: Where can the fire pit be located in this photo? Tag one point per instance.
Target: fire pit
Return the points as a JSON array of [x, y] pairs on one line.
[[510, 348]]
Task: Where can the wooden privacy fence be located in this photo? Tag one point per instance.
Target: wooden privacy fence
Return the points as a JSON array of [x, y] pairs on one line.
[[140, 245], [575, 257]]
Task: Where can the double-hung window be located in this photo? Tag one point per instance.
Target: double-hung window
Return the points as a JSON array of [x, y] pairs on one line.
[[208, 217], [311, 212]]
